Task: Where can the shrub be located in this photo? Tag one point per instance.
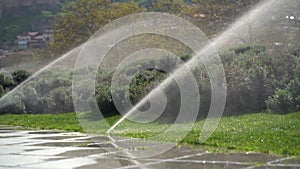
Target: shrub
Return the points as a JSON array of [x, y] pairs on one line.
[[104, 100], [8, 83], [256, 80], [20, 75], [1, 91], [286, 100], [249, 50], [144, 82], [253, 76], [50, 92]]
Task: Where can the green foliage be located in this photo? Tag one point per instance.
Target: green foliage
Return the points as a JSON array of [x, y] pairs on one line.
[[286, 100], [1, 91], [286, 97], [185, 58], [49, 93], [6, 82], [104, 100], [256, 80], [177, 7], [47, 14], [254, 75], [143, 83], [249, 50], [20, 75], [84, 18]]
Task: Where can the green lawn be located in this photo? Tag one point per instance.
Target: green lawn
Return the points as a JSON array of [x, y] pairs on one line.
[[67, 122], [263, 132]]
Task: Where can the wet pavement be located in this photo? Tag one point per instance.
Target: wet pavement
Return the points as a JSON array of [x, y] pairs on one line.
[[26, 149]]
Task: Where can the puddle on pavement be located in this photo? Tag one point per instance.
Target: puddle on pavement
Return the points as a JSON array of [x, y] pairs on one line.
[[57, 137], [63, 144], [96, 139], [100, 145], [44, 132], [13, 129], [82, 153], [31, 150], [12, 136], [100, 139], [108, 164], [55, 159], [7, 131], [5, 128]]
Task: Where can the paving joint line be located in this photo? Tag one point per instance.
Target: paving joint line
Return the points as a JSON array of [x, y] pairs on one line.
[[164, 160], [278, 160]]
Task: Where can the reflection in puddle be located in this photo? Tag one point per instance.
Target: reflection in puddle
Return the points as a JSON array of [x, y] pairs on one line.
[[63, 144]]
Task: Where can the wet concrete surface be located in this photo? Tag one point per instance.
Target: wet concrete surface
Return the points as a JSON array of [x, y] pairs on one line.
[[27, 149]]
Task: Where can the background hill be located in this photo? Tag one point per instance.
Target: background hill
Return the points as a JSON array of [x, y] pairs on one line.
[[17, 16], [17, 8]]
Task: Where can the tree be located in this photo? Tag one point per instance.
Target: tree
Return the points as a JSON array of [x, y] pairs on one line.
[[214, 15], [80, 19], [176, 7], [211, 16]]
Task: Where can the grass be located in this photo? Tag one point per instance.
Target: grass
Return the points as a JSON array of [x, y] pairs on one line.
[[68, 122], [263, 132]]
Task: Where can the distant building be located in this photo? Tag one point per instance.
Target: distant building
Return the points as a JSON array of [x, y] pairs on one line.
[[35, 39], [23, 39], [4, 53], [48, 35]]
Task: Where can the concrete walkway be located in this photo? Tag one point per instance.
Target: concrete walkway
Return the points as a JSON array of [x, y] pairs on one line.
[[51, 149]]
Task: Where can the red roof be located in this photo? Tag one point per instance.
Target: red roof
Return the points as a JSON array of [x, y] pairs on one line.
[[33, 33]]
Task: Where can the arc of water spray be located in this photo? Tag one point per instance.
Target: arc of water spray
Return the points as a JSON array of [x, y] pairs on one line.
[[220, 42]]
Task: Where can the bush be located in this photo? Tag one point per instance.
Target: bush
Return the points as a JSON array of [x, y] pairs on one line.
[[7, 83], [1, 91], [249, 50], [253, 76], [50, 92], [256, 80], [144, 82], [20, 75], [286, 100], [104, 100]]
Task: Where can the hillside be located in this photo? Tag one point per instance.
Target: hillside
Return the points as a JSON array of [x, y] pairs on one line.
[[17, 16], [17, 8]]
